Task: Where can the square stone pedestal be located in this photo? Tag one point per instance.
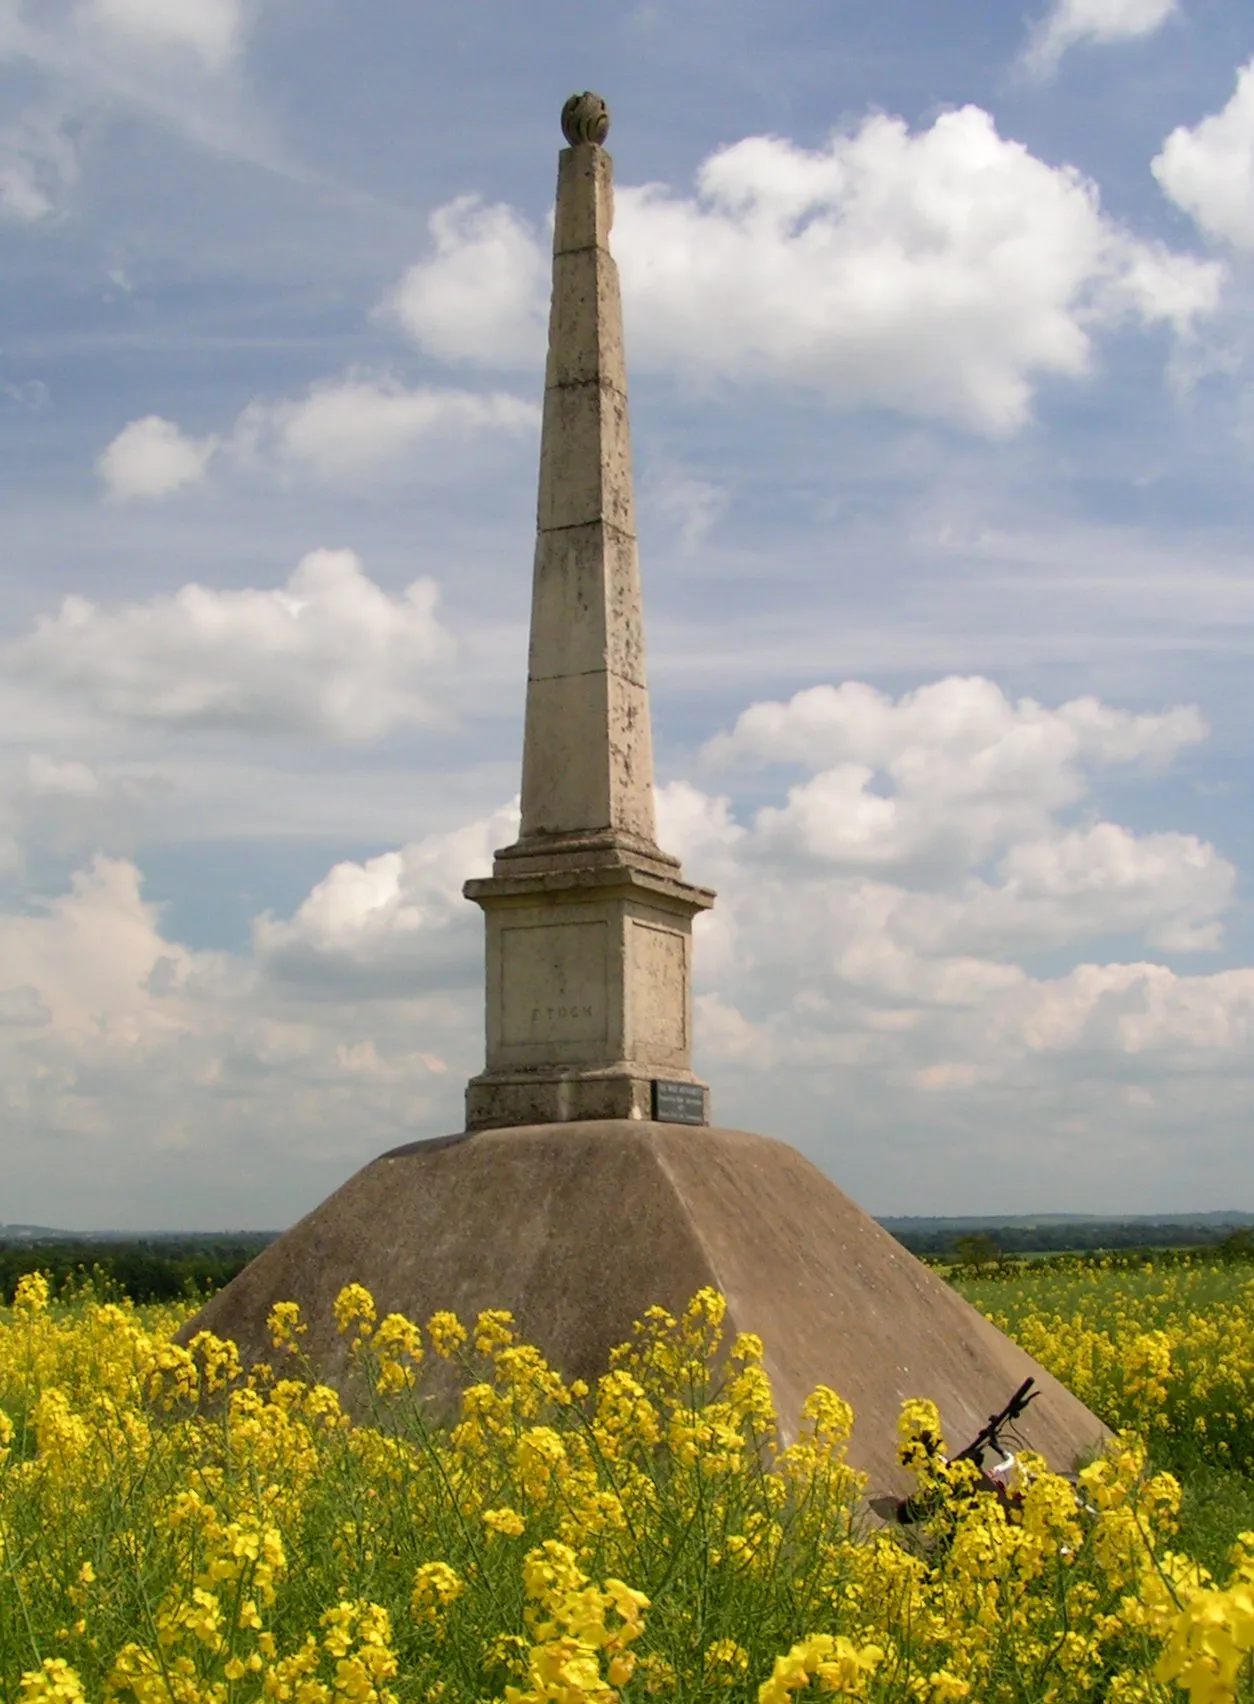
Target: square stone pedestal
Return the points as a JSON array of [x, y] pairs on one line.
[[589, 992]]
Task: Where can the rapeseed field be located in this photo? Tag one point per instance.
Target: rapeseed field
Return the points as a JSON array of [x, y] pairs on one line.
[[176, 1529], [1165, 1349]]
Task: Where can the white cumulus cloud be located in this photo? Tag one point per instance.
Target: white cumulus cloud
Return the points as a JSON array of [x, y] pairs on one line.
[[101, 989], [346, 427], [1208, 169], [877, 923], [979, 736], [329, 653], [343, 429], [943, 777], [1168, 890], [941, 272], [482, 294], [152, 458], [393, 922], [1104, 21]]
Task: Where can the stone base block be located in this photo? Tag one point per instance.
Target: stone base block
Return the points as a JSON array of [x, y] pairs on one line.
[[499, 1099]]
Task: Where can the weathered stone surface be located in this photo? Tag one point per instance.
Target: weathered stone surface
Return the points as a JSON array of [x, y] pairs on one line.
[[570, 781], [570, 1094], [585, 439], [574, 633], [583, 1011], [585, 322], [578, 1228], [588, 974], [585, 199]]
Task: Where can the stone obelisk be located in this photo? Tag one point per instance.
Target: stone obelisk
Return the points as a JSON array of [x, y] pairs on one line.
[[589, 922]]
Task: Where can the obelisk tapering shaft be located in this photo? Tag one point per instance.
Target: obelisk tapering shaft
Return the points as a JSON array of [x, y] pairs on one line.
[[587, 753], [589, 923]]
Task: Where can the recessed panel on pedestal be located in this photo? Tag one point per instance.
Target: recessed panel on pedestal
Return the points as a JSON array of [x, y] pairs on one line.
[[553, 983], [658, 983]]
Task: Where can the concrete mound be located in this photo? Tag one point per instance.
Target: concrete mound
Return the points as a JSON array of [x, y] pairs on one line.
[[578, 1228]]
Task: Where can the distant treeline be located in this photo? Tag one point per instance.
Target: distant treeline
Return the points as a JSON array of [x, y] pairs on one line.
[[146, 1270], [1074, 1236]]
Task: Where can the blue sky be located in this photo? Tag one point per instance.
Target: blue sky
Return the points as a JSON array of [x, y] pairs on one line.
[[939, 329]]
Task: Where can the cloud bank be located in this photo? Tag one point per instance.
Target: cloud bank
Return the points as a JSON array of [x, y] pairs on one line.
[[327, 654], [943, 273], [342, 430], [348, 427], [926, 933]]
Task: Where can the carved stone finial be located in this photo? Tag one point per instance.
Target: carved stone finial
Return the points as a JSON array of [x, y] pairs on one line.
[[585, 118]]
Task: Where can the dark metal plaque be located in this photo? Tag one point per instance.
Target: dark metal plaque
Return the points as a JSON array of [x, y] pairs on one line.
[[678, 1103]]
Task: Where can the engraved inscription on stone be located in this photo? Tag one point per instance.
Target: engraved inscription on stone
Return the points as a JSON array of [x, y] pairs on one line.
[[659, 990], [553, 982]]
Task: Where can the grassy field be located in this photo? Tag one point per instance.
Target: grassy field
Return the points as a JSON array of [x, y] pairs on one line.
[[177, 1530]]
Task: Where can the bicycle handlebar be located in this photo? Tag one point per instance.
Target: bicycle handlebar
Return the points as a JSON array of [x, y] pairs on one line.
[[988, 1433]]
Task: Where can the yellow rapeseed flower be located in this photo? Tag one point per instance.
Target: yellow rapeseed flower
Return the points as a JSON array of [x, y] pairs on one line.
[[436, 1586], [53, 1682], [354, 1307], [507, 1522], [447, 1334]]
